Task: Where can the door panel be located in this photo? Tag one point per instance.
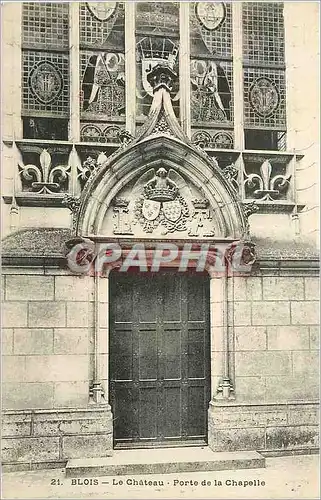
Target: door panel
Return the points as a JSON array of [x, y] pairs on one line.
[[159, 358]]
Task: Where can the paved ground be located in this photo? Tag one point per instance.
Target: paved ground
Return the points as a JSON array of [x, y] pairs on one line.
[[283, 478]]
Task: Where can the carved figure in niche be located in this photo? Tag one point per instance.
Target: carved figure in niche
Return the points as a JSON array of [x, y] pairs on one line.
[[211, 94], [103, 85]]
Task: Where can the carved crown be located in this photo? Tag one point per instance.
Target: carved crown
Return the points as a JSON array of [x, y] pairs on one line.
[[167, 193], [161, 188]]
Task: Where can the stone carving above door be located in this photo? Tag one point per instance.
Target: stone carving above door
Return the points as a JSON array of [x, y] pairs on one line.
[[160, 203]]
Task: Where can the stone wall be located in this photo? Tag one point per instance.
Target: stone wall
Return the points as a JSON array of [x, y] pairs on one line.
[[47, 363], [274, 362], [47, 340], [274, 338], [272, 429], [47, 438], [47, 345]]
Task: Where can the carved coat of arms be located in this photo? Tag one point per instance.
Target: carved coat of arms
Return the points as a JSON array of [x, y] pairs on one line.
[[161, 205]]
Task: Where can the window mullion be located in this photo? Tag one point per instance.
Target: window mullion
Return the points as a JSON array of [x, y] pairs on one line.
[[74, 124], [16, 13], [238, 76], [130, 67], [184, 68]]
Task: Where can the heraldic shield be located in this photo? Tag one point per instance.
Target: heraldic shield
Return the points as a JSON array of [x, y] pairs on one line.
[[172, 210], [151, 209]]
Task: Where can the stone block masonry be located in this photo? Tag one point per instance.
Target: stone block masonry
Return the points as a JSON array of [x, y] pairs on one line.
[[274, 337], [51, 437], [48, 350], [48, 340], [268, 428]]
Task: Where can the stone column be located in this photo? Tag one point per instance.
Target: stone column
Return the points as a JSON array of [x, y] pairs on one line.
[[222, 390], [130, 67], [221, 384], [97, 390]]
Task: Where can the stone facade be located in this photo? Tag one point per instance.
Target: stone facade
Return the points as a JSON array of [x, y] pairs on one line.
[[264, 326]]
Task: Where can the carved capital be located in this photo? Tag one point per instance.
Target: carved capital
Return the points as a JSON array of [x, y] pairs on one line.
[[225, 389]]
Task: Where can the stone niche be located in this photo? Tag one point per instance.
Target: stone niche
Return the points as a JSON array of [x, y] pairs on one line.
[[160, 203]]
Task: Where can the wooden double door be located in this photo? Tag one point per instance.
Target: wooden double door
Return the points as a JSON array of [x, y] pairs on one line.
[[159, 369]]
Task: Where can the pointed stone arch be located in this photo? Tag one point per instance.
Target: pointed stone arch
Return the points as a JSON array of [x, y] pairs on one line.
[[161, 150]]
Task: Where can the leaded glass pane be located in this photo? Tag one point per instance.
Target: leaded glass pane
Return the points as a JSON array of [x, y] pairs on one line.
[[211, 29], [211, 72], [45, 25], [263, 32], [102, 71], [264, 98], [45, 83], [101, 25]]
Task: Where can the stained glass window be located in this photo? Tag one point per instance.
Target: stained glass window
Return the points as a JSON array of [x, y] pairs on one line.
[[211, 45], [264, 75], [263, 32], [157, 41], [211, 29], [102, 70], [45, 70], [45, 25]]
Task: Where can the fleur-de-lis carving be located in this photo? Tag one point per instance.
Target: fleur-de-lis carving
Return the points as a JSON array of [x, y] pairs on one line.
[[44, 179], [265, 186]]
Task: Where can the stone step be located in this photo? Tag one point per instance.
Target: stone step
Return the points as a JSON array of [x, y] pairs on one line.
[[164, 461]]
